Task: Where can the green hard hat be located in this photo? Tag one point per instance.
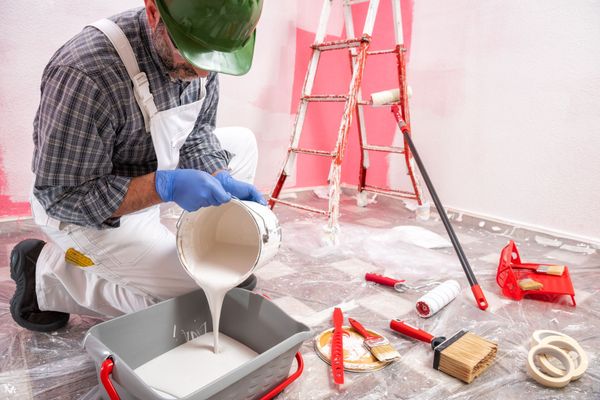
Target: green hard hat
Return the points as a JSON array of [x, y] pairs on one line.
[[215, 35]]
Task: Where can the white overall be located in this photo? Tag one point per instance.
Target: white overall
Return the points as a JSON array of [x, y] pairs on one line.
[[136, 264]]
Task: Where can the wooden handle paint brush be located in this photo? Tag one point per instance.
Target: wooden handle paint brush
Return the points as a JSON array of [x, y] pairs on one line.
[[379, 346], [475, 288], [464, 356]]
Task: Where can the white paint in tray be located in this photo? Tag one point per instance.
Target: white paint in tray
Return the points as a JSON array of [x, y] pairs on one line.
[[193, 365]]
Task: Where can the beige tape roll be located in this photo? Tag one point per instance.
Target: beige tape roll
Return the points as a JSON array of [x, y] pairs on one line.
[[566, 343], [537, 336], [542, 378]]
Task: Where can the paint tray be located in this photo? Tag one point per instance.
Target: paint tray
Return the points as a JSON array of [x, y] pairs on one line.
[[511, 270], [126, 342]]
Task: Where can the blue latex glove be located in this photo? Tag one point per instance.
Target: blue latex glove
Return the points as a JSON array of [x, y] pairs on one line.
[[190, 189], [241, 190]]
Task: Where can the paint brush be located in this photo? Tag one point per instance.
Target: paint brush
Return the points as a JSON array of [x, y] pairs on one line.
[[546, 269], [464, 356], [379, 346]]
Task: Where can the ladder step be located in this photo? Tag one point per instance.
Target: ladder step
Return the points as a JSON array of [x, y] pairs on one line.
[[332, 98], [379, 52], [314, 152], [376, 52], [326, 97], [301, 206], [398, 193], [337, 44], [387, 149]]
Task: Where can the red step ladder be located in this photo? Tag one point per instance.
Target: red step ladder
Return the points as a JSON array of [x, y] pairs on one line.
[[358, 48]]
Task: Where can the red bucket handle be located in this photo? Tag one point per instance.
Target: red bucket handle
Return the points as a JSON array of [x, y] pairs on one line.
[[108, 365], [279, 388], [105, 372]]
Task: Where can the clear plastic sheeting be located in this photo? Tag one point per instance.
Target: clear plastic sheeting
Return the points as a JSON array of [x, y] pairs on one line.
[[309, 277]]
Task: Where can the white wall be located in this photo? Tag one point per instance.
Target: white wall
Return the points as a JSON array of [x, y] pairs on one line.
[[506, 105], [31, 31], [506, 108]]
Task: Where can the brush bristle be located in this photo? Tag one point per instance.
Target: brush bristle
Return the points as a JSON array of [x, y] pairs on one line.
[[557, 270], [381, 349], [468, 357]]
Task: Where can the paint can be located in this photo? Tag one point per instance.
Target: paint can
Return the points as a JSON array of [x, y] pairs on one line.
[[238, 237], [433, 301]]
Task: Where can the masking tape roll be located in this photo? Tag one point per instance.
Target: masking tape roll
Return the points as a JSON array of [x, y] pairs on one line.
[[542, 378], [540, 334], [568, 344]]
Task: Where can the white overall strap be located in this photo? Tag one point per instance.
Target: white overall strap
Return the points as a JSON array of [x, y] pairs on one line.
[[141, 87]]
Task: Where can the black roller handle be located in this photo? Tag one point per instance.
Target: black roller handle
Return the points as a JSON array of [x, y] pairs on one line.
[[475, 288]]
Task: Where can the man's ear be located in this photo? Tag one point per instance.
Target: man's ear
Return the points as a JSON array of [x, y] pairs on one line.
[[152, 13]]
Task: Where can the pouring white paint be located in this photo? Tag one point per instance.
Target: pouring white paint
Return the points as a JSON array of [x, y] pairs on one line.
[[220, 248]]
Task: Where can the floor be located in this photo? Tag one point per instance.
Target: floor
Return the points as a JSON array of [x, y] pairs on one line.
[[308, 278]]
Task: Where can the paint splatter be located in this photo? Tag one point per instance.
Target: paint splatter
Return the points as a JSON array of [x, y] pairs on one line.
[[8, 207]]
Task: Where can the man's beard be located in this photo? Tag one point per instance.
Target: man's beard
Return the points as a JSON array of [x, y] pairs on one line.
[[183, 71]]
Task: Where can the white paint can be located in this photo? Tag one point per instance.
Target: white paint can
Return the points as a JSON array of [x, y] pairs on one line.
[[238, 236], [220, 247]]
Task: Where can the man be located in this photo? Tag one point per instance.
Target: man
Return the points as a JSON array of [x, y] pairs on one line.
[[127, 121]]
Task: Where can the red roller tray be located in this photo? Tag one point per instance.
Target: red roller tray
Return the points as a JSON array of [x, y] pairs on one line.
[[511, 270]]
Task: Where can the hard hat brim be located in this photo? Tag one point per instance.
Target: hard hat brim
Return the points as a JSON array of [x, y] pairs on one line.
[[237, 62]]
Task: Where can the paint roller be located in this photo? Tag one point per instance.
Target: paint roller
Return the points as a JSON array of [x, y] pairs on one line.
[[388, 96], [475, 288]]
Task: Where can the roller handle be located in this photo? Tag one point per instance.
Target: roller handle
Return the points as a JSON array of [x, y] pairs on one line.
[[477, 292], [411, 331], [382, 280], [479, 296], [361, 329]]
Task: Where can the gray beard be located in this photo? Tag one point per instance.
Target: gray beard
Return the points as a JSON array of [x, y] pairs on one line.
[[183, 72]]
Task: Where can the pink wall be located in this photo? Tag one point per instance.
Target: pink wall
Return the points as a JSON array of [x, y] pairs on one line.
[[8, 206], [333, 77]]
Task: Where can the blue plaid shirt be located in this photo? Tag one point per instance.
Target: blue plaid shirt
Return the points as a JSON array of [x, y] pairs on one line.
[[89, 135]]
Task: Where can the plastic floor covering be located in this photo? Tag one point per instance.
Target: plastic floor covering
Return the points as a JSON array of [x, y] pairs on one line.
[[309, 277]]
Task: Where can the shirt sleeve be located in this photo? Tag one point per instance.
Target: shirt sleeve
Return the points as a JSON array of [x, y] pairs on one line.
[[202, 149], [74, 141]]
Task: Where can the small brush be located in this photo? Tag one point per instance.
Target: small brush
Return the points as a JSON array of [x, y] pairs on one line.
[[530, 284], [547, 269], [464, 356], [379, 346]]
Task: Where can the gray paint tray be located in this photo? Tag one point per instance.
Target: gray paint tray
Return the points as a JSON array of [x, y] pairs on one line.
[[132, 340]]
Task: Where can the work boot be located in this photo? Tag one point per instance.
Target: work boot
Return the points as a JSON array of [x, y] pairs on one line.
[[249, 283], [23, 305]]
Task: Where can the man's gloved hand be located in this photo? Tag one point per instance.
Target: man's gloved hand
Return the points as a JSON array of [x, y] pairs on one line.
[[190, 189], [241, 190]]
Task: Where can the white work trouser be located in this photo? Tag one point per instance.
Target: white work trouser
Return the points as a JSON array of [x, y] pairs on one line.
[[135, 265]]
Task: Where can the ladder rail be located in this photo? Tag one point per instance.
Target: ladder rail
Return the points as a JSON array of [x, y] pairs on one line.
[[307, 87]]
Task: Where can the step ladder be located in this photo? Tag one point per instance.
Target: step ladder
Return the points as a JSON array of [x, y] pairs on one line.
[[358, 48]]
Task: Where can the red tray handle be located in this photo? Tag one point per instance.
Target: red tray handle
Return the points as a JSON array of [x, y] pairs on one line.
[[108, 364], [279, 388], [105, 372]]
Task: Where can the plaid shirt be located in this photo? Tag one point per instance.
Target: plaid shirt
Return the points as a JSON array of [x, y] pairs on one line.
[[89, 135]]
